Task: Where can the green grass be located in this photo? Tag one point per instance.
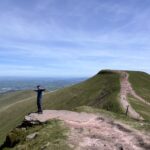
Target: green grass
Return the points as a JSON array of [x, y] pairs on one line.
[[52, 135], [100, 91], [142, 108], [13, 116], [7, 99], [141, 84]]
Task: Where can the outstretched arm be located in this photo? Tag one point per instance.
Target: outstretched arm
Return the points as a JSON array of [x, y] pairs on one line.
[[43, 89]]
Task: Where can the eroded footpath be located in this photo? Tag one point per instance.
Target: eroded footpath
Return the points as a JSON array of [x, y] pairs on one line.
[[94, 132]]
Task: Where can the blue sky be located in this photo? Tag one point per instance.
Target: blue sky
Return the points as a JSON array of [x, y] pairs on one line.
[[73, 37]]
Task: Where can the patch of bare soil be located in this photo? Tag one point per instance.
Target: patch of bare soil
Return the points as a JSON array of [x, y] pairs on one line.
[[94, 132]]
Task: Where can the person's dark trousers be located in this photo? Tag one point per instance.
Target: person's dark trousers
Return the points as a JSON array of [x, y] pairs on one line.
[[39, 105]]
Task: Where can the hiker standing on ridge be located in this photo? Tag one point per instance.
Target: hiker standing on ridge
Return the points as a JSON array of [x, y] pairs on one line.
[[39, 91]]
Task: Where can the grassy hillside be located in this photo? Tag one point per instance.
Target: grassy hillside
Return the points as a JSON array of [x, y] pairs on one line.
[[100, 91], [141, 84], [55, 139], [7, 99], [140, 107], [12, 115]]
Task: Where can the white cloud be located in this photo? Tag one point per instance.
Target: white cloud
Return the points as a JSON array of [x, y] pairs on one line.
[[69, 37]]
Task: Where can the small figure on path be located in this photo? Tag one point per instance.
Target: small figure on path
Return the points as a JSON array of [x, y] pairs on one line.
[[39, 91]]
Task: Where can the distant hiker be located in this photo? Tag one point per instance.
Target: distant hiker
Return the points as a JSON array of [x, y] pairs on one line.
[[39, 91]]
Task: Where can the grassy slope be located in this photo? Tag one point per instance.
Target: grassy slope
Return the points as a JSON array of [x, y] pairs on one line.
[[51, 135], [141, 84], [13, 97], [140, 107], [12, 116], [100, 91]]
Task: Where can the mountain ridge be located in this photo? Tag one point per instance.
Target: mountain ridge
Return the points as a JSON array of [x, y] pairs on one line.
[[98, 92]]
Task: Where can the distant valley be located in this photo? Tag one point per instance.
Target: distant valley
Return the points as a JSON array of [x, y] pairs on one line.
[[11, 84]]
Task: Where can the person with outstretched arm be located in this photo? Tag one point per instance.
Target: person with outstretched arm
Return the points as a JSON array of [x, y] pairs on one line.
[[39, 91]]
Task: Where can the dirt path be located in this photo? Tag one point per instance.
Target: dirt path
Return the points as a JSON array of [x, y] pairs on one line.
[[127, 89], [93, 132]]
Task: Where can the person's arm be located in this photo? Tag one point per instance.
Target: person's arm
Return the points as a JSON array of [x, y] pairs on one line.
[[43, 90]]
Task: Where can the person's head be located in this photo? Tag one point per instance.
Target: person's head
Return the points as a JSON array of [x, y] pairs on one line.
[[38, 86]]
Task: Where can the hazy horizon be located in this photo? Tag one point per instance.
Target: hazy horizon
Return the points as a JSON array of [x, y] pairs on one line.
[[51, 84]]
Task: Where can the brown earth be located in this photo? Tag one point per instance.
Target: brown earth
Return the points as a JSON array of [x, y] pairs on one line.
[[127, 89], [95, 132]]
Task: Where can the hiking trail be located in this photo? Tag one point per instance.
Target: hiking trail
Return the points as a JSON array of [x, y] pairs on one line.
[[94, 132]]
